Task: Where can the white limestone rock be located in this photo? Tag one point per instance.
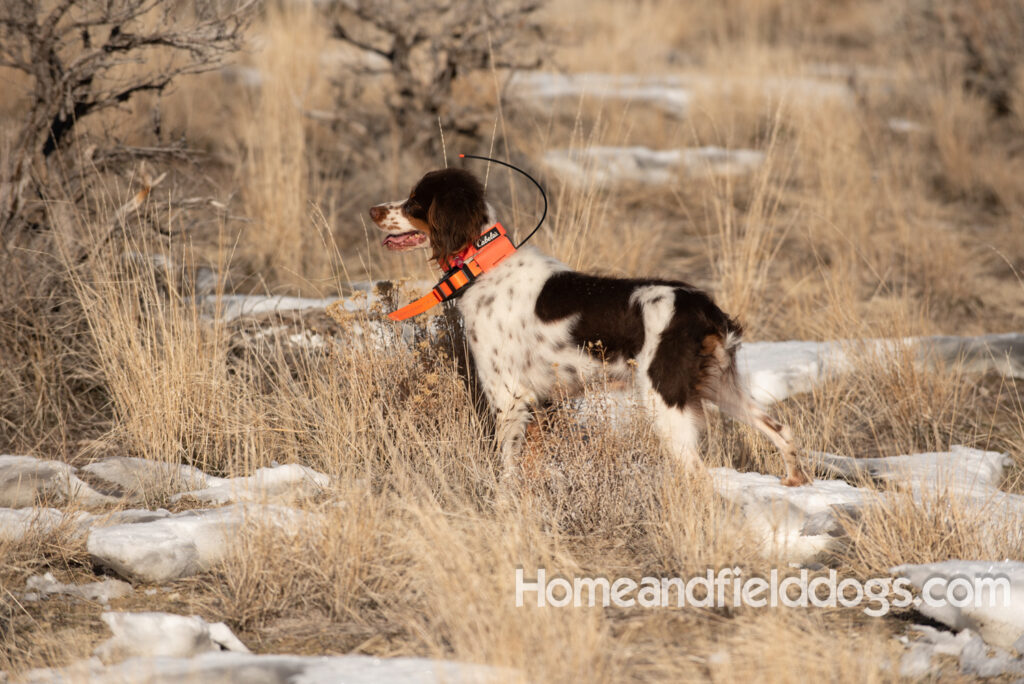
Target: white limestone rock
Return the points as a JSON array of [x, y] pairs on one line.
[[181, 544], [137, 475], [45, 585], [25, 479], [164, 634], [278, 482]]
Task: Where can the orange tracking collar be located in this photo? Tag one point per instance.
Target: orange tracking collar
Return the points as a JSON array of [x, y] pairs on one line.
[[487, 251]]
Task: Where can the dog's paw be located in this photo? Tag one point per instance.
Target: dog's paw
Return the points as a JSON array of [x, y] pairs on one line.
[[796, 480]]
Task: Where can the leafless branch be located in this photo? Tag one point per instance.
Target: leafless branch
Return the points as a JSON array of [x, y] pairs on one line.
[[74, 71]]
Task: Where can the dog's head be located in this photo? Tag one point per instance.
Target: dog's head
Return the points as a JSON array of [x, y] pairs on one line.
[[445, 210]]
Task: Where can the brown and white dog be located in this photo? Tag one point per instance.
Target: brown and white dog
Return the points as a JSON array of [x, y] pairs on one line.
[[533, 326]]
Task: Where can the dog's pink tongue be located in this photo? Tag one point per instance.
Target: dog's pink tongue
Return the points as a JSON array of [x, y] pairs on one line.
[[404, 241]]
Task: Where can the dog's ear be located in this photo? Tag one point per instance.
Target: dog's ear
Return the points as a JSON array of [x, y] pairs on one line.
[[456, 216]]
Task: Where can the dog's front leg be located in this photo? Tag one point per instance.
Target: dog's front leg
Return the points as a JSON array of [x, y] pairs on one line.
[[511, 416]]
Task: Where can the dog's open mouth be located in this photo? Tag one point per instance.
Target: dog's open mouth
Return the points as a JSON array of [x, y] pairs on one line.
[[401, 241]]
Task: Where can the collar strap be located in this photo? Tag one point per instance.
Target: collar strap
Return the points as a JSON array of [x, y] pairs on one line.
[[487, 251]]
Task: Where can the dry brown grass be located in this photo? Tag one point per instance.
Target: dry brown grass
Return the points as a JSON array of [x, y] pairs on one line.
[[850, 230]]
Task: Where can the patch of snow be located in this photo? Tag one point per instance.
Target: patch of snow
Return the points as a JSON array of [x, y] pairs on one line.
[[42, 586], [1002, 353], [136, 475], [671, 93], [777, 370], [164, 634], [24, 479], [945, 643], [996, 615], [180, 544], [981, 660], [961, 470], [795, 524], [668, 93], [246, 76], [275, 482], [275, 669], [917, 661], [304, 339], [611, 165], [799, 524], [228, 307]]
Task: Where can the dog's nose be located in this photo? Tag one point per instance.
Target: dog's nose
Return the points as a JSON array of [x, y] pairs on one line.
[[377, 213]]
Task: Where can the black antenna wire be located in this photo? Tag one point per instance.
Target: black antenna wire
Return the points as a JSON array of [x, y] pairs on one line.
[[532, 179]]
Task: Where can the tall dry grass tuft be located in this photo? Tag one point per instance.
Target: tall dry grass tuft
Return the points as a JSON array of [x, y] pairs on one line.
[[276, 171], [331, 570], [747, 239], [890, 403], [924, 528], [165, 368], [460, 595]]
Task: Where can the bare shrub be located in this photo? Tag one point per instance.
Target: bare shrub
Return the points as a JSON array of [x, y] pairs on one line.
[[82, 58], [424, 47]]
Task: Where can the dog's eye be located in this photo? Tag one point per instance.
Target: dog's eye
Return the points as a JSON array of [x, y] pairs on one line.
[[412, 208]]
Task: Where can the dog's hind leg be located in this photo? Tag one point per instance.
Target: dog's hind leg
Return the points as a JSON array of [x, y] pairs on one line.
[[721, 384], [737, 404]]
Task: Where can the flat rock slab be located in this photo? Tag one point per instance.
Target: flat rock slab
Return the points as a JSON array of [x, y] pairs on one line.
[[673, 94], [137, 475], [43, 586], [997, 614], [634, 164], [961, 470], [247, 668], [284, 481], [24, 480], [17, 523], [164, 634], [181, 544]]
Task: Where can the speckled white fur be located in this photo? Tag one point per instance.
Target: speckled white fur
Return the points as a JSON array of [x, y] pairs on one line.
[[522, 360]]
